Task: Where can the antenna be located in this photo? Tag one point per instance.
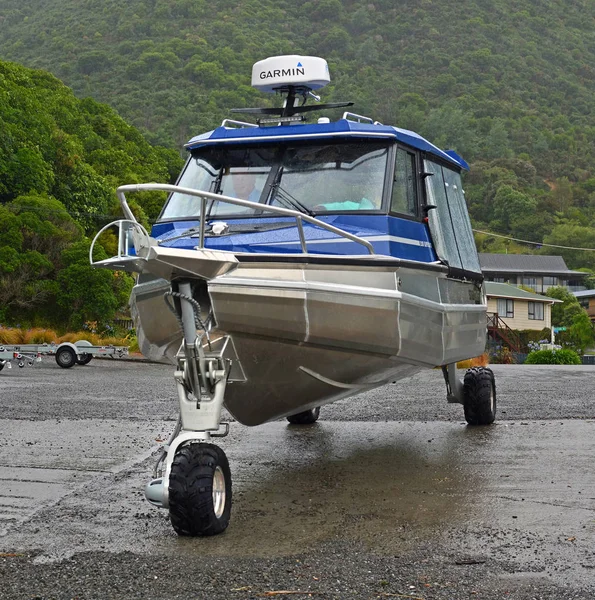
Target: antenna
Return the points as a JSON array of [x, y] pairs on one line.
[[291, 76]]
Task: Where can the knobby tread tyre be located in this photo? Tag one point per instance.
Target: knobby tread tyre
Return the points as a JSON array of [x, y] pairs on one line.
[[306, 417], [479, 389], [191, 507]]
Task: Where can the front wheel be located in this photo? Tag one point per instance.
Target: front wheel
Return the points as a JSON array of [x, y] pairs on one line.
[[66, 357], [200, 490], [479, 393], [306, 417]]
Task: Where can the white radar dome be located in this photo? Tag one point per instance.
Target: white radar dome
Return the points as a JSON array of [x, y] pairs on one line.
[[276, 72]]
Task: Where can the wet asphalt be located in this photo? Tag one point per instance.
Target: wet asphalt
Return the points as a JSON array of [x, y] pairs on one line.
[[389, 495]]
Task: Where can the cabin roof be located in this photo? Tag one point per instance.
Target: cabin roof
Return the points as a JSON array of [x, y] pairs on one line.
[[335, 129]]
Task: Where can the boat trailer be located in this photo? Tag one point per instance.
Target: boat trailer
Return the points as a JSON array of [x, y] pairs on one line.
[[67, 354]]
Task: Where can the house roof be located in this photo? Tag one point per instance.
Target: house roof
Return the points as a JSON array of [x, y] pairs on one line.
[[529, 264], [503, 290], [585, 294]]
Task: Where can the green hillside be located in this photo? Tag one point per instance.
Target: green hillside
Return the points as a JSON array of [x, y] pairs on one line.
[[61, 159], [509, 84], [494, 79]]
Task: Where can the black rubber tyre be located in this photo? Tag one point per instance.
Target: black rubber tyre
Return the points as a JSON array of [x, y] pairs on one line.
[[2, 363], [66, 357], [194, 508], [479, 390], [305, 418], [84, 359]]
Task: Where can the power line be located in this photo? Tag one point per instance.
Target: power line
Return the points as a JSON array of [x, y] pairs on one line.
[[507, 237]]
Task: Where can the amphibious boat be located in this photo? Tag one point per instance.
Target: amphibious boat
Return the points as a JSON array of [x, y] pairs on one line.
[[295, 264]]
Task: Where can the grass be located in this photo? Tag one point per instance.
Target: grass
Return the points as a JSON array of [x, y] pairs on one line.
[[39, 335]]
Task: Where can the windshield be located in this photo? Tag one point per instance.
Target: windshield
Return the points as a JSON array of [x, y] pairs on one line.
[[311, 178]]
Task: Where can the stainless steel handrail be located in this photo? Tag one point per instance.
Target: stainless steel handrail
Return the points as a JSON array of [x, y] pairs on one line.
[[298, 216]]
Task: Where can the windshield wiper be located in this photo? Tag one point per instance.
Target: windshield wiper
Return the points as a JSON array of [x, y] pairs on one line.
[[292, 202], [187, 233], [215, 189], [278, 193]]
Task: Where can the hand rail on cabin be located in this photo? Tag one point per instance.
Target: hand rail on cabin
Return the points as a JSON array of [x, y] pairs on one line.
[[204, 196]]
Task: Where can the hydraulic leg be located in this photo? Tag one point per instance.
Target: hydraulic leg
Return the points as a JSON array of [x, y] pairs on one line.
[[192, 477]]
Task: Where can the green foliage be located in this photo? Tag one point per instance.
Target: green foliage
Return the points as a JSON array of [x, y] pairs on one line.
[[532, 336], [74, 151], [508, 84], [579, 333], [519, 83], [553, 357], [60, 162], [563, 314]]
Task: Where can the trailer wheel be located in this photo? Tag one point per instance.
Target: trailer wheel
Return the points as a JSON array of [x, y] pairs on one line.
[[2, 363], [306, 417], [200, 490], [479, 396], [66, 357], [84, 359]]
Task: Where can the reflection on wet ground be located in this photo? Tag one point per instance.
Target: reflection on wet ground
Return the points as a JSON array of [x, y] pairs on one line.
[[390, 485]]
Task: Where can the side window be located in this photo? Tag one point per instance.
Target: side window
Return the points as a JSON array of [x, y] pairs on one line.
[[449, 221], [440, 222], [404, 196]]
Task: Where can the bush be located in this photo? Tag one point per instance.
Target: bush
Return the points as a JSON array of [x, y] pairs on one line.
[[39, 335], [478, 361], [501, 355], [553, 357]]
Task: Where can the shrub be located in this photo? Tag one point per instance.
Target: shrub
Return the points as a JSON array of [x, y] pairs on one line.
[[553, 357], [38, 335], [77, 336], [478, 361], [501, 355], [10, 336]]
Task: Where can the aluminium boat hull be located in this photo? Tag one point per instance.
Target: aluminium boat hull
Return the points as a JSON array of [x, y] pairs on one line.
[[312, 330]]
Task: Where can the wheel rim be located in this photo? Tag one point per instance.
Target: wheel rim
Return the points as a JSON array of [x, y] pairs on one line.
[[218, 492], [65, 358]]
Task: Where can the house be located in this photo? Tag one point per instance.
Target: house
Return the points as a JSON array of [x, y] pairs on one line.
[[519, 309], [511, 308], [533, 271], [586, 299]]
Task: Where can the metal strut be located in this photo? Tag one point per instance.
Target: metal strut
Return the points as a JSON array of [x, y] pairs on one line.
[[201, 378]]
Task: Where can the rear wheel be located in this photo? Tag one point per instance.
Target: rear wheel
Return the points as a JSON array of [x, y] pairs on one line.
[[200, 490], [479, 392], [66, 357], [306, 417], [84, 359]]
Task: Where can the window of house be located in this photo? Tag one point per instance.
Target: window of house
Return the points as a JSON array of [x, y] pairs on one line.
[[530, 282], [505, 308], [550, 281], [497, 279], [404, 198], [536, 311]]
